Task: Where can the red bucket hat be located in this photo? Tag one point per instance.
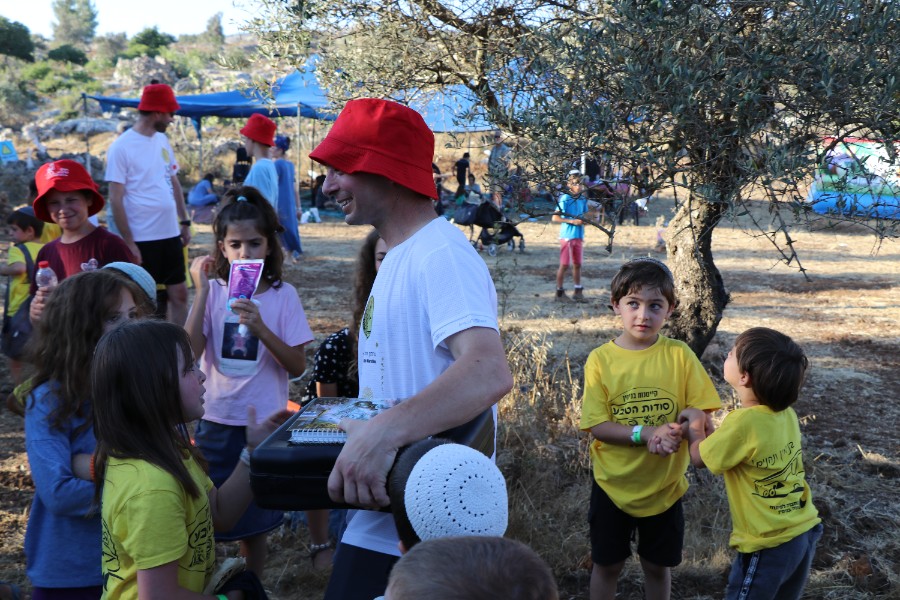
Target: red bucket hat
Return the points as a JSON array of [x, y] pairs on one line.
[[384, 138], [65, 176], [158, 97], [261, 129]]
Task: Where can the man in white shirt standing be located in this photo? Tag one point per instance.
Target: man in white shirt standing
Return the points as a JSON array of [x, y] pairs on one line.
[[429, 334], [147, 200]]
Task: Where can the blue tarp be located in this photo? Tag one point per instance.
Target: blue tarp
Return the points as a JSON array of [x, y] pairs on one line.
[[452, 109], [290, 95]]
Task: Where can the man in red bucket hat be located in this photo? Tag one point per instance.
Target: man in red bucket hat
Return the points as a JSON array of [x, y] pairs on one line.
[[444, 360], [146, 199]]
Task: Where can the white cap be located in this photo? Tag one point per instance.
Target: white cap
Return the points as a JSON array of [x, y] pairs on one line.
[[454, 490]]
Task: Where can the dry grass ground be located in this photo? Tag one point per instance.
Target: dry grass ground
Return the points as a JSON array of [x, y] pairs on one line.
[[845, 318]]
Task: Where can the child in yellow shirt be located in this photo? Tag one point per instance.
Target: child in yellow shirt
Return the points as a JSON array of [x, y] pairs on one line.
[[635, 387], [775, 526], [25, 230]]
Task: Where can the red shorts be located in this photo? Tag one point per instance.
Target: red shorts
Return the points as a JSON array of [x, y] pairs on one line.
[[570, 251]]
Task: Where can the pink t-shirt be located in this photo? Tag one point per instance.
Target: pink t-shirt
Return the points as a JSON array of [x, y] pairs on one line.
[[260, 381]]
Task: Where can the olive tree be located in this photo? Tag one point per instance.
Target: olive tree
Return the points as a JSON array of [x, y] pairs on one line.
[[15, 40], [723, 100]]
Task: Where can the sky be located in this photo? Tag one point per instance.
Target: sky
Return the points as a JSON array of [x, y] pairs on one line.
[[176, 17]]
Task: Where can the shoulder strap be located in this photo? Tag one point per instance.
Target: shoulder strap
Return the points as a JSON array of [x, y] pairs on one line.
[[29, 263]]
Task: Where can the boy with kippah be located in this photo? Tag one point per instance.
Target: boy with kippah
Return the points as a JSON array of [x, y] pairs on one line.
[[635, 388], [25, 230], [775, 526]]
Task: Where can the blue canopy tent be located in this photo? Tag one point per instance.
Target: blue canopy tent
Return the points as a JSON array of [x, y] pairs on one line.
[[451, 109], [295, 95]]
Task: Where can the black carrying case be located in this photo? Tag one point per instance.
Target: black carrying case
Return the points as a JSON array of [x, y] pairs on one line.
[[287, 476]]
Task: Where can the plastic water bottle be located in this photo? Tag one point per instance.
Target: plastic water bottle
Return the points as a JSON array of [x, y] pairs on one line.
[[45, 277]]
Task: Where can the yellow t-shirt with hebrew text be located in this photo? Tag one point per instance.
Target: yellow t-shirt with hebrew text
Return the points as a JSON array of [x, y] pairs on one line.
[[758, 452], [647, 387], [149, 520], [20, 285]]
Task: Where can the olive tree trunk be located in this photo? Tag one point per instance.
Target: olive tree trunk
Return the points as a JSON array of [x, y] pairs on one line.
[[701, 294]]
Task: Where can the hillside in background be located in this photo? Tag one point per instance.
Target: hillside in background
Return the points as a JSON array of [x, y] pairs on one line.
[[43, 114]]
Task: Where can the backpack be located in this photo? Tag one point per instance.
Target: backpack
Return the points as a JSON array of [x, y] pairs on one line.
[[17, 328]]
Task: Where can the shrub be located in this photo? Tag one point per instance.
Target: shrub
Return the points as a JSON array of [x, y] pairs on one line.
[[69, 54]]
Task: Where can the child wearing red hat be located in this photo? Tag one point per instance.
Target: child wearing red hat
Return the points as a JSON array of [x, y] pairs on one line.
[[258, 137], [68, 196]]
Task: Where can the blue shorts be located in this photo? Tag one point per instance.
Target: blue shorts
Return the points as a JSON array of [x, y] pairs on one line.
[[774, 573], [221, 446], [660, 537]]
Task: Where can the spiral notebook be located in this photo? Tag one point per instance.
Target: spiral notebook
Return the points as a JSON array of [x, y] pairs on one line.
[[318, 422]]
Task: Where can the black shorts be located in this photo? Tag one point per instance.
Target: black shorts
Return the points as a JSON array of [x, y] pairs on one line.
[[164, 260], [358, 573], [660, 537]]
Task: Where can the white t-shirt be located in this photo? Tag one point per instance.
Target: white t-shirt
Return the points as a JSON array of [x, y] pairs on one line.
[[428, 288], [264, 177], [265, 384], [145, 166]]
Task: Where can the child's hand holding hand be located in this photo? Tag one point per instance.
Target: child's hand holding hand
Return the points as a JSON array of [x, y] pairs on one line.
[[665, 439], [696, 424], [257, 432], [200, 269]]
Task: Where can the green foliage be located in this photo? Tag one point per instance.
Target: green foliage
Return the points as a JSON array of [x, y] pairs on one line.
[[149, 42], [135, 50], [35, 72], [76, 22], [68, 53], [45, 79], [214, 34], [15, 40], [235, 59], [186, 63], [108, 48], [721, 99], [13, 102]]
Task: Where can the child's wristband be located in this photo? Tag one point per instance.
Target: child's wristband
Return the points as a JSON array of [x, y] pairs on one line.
[[636, 434], [221, 597]]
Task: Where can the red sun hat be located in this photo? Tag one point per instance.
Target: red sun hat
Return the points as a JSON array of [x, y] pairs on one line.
[[158, 97], [260, 129], [384, 138], [66, 176]]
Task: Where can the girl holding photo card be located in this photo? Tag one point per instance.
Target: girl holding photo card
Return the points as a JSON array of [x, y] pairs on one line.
[[249, 330]]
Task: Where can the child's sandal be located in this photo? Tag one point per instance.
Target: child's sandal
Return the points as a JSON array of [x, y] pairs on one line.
[[315, 550]]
